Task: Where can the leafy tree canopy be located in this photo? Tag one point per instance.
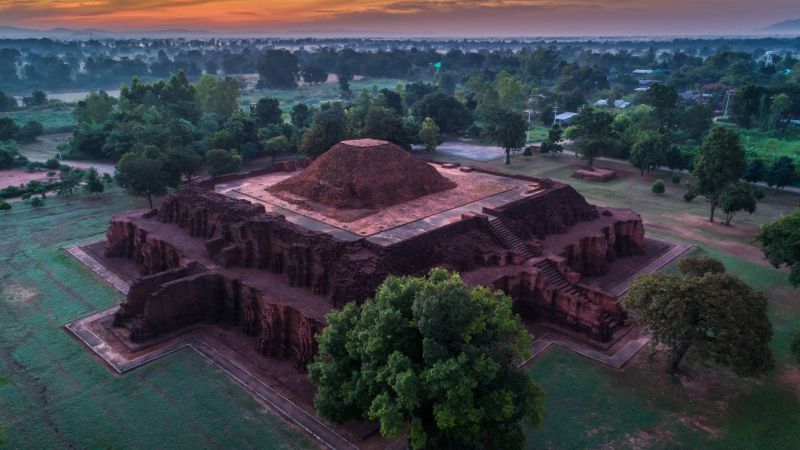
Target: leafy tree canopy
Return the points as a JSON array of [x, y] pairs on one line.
[[142, 175], [431, 356], [712, 313], [278, 69], [720, 162], [781, 241], [508, 130]]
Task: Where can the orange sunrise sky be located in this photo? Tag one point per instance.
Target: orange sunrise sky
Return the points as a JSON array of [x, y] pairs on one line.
[[408, 17]]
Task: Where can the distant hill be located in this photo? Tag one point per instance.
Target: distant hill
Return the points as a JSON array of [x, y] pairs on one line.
[[787, 26]]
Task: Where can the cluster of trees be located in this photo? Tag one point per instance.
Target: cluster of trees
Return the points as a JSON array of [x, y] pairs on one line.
[[652, 134], [163, 132], [384, 116], [10, 131], [766, 107], [780, 173], [71, 180]]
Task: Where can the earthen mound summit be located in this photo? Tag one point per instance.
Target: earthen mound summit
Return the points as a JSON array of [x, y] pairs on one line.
[[365, 173]]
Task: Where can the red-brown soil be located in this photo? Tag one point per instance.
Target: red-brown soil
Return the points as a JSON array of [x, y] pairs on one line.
[[365, 173]]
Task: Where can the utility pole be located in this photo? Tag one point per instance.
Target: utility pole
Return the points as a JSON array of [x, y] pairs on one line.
[[727, 104], [555, 112]]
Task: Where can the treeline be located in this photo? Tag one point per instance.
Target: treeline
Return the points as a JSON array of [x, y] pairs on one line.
[[52, 64]]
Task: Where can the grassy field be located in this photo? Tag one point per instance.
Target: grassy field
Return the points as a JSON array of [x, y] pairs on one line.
[[537, 133], [314, 95], [592, 406], [52, 120], [59, 396], [769, 145]]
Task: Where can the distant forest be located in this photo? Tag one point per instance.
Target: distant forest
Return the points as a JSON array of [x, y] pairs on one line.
[[51, 65]]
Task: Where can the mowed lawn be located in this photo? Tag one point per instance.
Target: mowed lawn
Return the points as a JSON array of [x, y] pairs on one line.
[[593, 406], [60, 396]]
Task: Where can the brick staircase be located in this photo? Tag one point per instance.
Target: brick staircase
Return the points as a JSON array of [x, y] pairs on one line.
[[554, 278], [510, 239]]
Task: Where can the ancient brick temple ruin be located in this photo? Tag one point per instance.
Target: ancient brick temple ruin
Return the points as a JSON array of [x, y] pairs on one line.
[[274, 250]]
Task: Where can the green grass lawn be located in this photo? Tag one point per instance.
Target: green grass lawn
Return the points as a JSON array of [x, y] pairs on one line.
[[60, 396], [537, 133], [769, 146]]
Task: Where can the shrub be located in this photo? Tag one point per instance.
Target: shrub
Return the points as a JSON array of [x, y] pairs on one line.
[[221, 162], [52, 164], [699, 265], [37, 202], [10, 191], [758, 193], [688, 196], [4, 205], [658, 187], [676, 179]]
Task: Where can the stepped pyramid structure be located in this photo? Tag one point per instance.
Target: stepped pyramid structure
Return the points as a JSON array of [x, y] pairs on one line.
[[272, 251]]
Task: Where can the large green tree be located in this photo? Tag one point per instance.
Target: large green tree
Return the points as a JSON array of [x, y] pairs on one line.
[[278, 69], [217, 96], [431, 357], [781, 241], [382, 123], [507, 129], [650, 151], [705, 310], [268, 111], [593, 133], [142, 176], [720, 162], [450, 115], [736, 197], [328, 129], [95, 109]]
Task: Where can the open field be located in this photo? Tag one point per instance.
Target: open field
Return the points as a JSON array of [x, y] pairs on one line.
[[765, 145], [59, 396], [316, 94]]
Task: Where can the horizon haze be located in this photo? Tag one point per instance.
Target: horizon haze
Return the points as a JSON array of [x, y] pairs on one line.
[[443, 18]]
